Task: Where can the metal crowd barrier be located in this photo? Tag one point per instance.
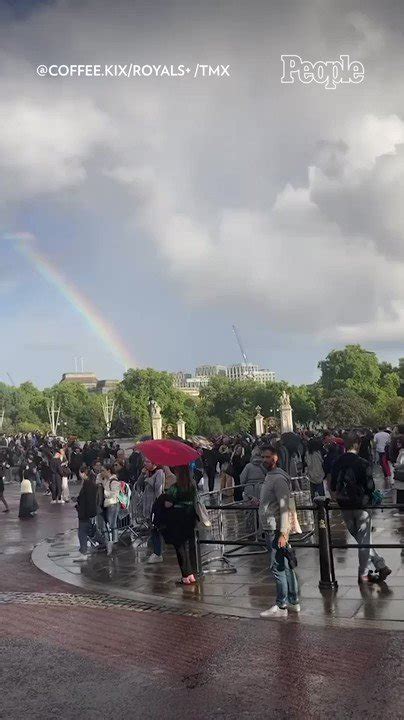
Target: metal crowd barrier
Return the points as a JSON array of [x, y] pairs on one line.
[[240, 528], [321, 509]]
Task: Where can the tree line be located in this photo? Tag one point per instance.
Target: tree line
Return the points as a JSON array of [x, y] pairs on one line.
[[354, 389]]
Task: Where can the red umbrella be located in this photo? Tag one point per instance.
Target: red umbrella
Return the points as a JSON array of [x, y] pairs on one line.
[[167, 452]]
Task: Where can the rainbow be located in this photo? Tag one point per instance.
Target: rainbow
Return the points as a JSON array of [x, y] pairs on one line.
[[25, 244]]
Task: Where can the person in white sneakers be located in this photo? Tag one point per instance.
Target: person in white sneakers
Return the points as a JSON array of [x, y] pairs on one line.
[[275, 521]]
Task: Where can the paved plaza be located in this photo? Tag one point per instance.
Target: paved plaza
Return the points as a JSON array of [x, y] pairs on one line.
[[245, 592], [115, 637]]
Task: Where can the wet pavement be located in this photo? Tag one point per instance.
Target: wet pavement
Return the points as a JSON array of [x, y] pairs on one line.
[[242, 585], [70, 652]]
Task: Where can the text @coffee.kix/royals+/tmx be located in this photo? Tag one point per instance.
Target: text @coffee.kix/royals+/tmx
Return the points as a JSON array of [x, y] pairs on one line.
[[132, 70]]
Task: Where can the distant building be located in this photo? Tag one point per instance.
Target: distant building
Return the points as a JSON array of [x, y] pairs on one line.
[[241, 371], [106, 386], [181, 377], [90, 382], [211, 371], [192, 384], [263, 376], [249, 371], [188, 383], [197, 382]]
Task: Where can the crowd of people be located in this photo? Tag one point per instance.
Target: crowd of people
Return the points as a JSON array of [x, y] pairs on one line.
[[338, 464], [110, 487], [260, 472]]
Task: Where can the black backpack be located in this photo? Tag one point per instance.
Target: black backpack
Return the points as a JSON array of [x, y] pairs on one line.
[[349, 492]]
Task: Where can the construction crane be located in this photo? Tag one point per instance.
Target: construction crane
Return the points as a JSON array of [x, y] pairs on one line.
[[240, 344], [248, 371]]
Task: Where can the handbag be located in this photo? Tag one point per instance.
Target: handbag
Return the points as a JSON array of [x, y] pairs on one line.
[[202, 513], [294, 525]]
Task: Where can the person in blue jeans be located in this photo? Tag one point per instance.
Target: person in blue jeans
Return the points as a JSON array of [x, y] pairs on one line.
[[287, 586], [275, 521]]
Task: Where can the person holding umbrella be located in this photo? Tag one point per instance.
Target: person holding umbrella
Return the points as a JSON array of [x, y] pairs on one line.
[[175, 515]]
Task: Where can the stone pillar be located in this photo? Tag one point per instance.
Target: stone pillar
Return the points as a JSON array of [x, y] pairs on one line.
[[156, 420], [286, 413], [181, 427], [259, 422]]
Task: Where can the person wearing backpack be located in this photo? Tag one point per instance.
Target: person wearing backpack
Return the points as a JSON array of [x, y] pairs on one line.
[[315, 467], [111, 486], [352, 486]]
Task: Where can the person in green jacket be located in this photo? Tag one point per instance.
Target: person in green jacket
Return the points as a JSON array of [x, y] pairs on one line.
[[178, 519]]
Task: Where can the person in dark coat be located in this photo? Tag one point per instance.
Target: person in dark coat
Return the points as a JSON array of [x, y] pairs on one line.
[[365, 447], [28, 502], [175, 516], [75, 462], [45, 470], [56, 473], [135, 463], [209, 460], [237, 465], [87, 511]]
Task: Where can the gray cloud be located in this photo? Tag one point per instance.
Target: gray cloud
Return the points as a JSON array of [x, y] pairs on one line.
[[285, 199]]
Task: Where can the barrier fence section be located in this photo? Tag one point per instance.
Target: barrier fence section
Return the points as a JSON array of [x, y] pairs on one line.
[[238, 533], [235, 524]]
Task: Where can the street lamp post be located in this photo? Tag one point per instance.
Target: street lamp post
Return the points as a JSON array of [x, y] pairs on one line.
[[151, 414], [108, 406], [53, 415]]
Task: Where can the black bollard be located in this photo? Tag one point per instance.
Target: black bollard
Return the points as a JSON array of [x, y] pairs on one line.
[[327, 573]]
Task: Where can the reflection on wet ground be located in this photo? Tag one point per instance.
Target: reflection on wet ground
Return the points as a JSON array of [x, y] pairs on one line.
[[244, 592], [249, 588]]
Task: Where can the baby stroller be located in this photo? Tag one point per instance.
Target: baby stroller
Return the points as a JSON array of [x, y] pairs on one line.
[[140, 526]]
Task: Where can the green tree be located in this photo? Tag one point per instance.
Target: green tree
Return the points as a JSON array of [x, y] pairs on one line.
[[136, 390], [352, 368], [345, 409], [303, 404], [80, 410], [208, 425], [21, 404]]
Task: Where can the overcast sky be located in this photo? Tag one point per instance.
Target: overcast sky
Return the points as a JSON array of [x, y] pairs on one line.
[[179, 206]]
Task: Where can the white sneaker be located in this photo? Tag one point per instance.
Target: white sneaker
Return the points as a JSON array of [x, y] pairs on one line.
[[275, 611], [294, 608], [155, 559], [53, 502], [78, 557], [60, 502]]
